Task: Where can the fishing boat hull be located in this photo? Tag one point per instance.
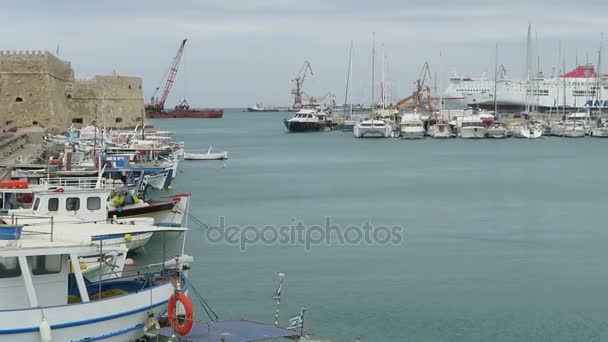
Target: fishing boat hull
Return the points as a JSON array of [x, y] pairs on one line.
[[163, 213], [187, 114], [113, 319]]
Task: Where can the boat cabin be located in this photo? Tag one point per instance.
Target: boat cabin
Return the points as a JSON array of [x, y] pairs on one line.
[[87, 205]]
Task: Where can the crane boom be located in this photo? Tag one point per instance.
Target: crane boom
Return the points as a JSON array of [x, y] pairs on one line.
[[299, 80], [172, 74]]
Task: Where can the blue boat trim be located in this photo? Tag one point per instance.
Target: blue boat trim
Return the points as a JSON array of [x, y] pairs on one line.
[[112, 334], [85, 322], [114, 236]]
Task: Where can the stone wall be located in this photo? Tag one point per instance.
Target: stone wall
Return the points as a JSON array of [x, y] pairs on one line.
[[37, 88]]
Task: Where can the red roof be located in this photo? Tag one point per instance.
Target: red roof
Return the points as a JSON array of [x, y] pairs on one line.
[[582, 71]]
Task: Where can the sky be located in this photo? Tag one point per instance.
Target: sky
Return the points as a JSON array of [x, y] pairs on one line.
[[242, 52]]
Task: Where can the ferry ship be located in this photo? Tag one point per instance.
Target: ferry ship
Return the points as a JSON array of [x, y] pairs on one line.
[[581, 87]]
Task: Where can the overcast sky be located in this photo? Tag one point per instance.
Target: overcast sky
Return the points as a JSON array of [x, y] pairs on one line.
[[245, 51]]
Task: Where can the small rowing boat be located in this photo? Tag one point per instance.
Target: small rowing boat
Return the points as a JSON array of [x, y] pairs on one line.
[[206, 156]]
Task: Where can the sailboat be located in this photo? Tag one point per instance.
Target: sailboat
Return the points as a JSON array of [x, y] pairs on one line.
[[372, 127]]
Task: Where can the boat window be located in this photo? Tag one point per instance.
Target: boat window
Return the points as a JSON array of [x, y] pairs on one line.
[[36, 203], [72, 204], [53, 204], [9, 267], [94, 203], [45, 264]]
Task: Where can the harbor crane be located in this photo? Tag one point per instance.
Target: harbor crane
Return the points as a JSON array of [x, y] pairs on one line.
[[159, 104], [421, 97], [299, 81]]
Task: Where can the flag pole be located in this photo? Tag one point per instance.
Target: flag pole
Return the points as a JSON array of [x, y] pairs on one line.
[[277, 298], [302, 319]]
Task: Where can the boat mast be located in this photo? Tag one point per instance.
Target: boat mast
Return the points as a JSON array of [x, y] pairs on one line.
[[527, 107], [495, 80], [564, 76], [598, 89], [348, 80], [373, 72], [383, 88]]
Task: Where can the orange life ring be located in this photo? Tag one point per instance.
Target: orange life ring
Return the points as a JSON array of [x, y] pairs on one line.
[[184, 328]]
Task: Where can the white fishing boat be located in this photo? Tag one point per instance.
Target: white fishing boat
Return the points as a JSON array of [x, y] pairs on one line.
[[206, 156], [497, 131], [372, 128], [46, 297], [411, 126], [471, 127]]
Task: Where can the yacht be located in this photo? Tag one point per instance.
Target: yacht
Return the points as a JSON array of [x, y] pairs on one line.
[[600, 130], [308, 119], [471, 127], [440, 130], [411, 126], [527, 130], [372, 128], [574, 129], [497, 130]]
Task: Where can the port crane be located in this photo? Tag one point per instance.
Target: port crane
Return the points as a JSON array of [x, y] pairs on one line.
[[299, 81], [421, 97], [159, 104]]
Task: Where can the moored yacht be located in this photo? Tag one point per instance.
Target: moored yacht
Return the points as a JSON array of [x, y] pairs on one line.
[[308, 119], [472, 127], [411, 126], [600, 130], [496, 130], [574, 129], [372, 128], [440, 130]]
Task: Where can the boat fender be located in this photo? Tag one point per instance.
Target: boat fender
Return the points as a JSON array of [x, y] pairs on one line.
[[45, 331], [181, 325], [128, 237]]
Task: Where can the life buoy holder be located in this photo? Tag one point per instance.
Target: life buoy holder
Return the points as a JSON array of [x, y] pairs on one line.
[[182, 329]]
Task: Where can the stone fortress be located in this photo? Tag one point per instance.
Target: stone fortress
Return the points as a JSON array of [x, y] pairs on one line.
[[39, 89]]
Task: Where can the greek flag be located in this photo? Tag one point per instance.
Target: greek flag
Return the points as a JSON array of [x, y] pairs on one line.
[[295, 322]]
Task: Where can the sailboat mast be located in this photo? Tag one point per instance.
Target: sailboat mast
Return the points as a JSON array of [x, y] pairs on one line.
[[348, 80], [373, 71], [383, 78], [495, 80], [598, 92]]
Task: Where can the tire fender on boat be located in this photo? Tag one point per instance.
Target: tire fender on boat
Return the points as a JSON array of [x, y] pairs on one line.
[[182, 329]]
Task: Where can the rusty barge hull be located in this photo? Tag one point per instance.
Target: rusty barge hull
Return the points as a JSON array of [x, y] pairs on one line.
[[187, 114]]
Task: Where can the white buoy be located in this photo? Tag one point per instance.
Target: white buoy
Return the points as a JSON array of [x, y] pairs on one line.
[[45, 331]]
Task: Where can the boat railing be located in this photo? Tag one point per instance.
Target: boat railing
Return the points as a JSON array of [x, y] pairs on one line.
[[22, 220], [79, 182]]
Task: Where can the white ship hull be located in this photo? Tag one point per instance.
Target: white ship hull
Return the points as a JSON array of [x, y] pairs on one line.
[[413, 133], [472, 132], [496, 133]]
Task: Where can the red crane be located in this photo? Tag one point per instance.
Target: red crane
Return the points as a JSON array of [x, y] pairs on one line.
[[160, 104]]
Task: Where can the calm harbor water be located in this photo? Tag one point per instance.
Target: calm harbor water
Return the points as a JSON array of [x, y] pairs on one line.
[[501, 241]]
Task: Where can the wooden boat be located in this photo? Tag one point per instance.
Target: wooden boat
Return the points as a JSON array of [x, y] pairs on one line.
[[206, 156]]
